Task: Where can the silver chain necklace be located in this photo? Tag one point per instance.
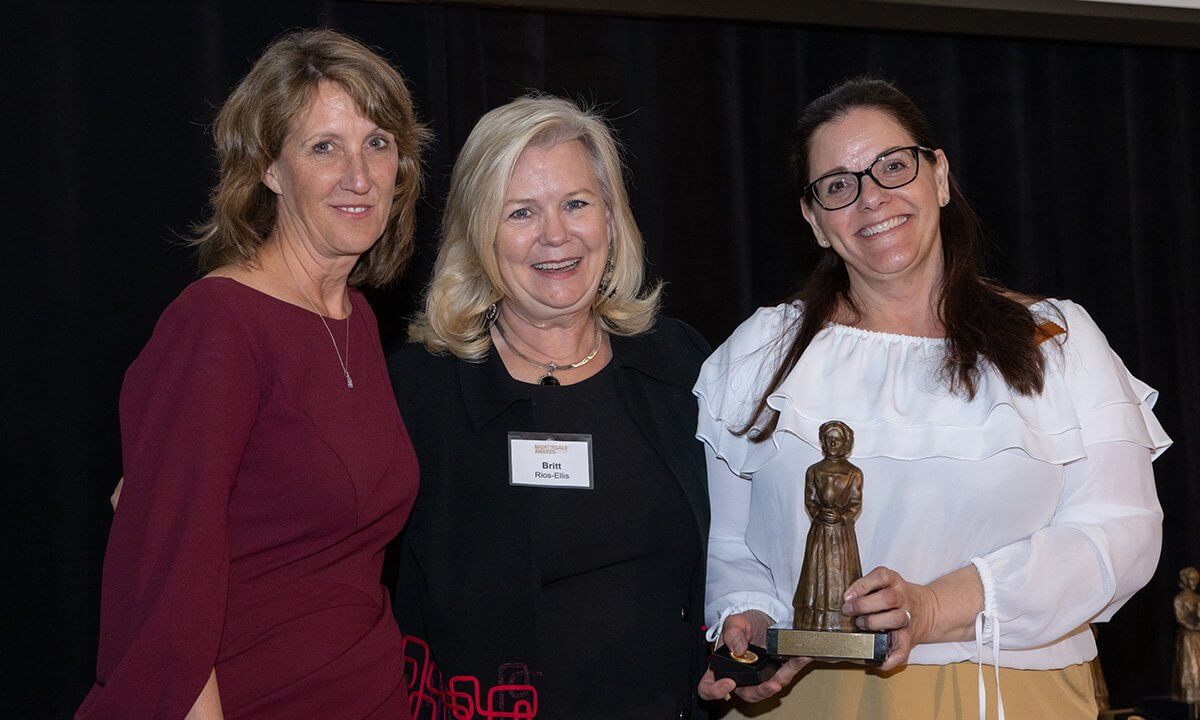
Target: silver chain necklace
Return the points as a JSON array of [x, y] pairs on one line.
[[344, 363], [549, 368]]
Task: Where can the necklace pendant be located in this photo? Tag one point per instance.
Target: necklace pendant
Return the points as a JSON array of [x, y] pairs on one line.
[[349, 382], [548, 378]]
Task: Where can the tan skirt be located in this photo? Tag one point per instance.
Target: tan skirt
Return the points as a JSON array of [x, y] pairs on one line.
[[926, 692]]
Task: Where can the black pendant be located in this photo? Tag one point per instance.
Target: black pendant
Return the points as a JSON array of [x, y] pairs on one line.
[[549, 380]]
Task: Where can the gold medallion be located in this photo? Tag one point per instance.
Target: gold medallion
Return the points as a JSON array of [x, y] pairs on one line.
[[747, 658]]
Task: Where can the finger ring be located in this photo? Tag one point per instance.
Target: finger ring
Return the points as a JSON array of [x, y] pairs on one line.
[[907, 618]]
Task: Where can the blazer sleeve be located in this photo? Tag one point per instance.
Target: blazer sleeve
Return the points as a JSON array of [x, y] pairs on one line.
[[187, 410]]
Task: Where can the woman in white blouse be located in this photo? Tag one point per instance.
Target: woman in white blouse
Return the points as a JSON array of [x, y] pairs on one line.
[[1008, 496]]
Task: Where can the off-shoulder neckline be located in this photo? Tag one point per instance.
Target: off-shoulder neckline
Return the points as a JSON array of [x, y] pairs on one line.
[[901, 337], [886, 336]]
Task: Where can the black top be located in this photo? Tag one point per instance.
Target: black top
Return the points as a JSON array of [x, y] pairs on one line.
[[584, 603], [614, 561]]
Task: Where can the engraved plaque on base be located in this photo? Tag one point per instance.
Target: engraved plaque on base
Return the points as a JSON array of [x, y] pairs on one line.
[[859, 647]]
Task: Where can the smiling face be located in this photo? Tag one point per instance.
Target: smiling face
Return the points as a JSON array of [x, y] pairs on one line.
[[334, 177], [552, 241], [885, 235]]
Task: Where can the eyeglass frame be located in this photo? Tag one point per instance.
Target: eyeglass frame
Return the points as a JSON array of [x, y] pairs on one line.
[[916, 150]]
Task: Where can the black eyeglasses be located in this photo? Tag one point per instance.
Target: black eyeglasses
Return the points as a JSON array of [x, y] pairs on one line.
[[893, 169]]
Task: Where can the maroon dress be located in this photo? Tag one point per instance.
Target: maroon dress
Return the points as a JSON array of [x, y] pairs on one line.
[[259, 494]]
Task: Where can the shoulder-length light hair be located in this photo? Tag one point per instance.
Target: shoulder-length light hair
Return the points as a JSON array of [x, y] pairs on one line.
[[250, 129], [466, 277]]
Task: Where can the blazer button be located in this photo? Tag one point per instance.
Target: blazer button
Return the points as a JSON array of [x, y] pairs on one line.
[[685, 714], [684, 615]]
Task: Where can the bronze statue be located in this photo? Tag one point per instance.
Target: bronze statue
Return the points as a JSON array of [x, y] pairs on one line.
[[1185, 681], [833, 497], [833, 491]]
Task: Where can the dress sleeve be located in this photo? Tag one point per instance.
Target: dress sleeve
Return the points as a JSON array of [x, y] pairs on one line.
[[1103, 541], [187, 408]]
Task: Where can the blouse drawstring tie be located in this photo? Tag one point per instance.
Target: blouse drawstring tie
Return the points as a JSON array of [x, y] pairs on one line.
[[995, 664]]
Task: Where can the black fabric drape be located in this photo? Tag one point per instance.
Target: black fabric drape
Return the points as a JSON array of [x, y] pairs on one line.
[[1082, 160]]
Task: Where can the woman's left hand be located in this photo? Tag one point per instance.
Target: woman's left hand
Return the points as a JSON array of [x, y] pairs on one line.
[[882, 600], [942, 611]]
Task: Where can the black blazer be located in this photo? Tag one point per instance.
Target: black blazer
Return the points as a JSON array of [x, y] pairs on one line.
[[458, 412]]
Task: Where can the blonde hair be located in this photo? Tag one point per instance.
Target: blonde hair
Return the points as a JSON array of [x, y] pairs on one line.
[[466, 277], [250, 129]]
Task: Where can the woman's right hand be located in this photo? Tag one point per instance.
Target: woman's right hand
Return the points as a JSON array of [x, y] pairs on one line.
[[739, 631]]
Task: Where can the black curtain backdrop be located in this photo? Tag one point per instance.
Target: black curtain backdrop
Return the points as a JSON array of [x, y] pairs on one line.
[[1082, 160]]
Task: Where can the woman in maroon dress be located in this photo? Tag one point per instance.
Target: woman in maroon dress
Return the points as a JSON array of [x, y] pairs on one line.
[[266, 465]]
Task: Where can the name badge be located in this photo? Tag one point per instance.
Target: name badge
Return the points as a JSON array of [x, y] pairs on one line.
[[550, 460]]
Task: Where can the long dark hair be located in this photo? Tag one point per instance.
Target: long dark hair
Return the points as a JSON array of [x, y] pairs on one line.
[[984, 321]]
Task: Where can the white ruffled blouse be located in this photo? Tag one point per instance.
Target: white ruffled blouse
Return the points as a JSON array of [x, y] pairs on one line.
[[1051, 497]]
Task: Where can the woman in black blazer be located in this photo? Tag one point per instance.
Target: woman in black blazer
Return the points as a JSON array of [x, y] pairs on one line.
[[553, 566]]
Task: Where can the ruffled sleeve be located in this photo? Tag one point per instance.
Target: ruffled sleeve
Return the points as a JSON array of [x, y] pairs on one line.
[[730, 382], [187, 408], [1103, 541], [1110, 403]]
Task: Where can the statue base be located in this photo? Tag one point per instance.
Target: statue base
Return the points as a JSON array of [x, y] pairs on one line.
[[827, 646]]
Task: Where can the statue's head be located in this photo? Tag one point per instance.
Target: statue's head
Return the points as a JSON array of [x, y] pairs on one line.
[[1189, 577], [837, 439]]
